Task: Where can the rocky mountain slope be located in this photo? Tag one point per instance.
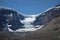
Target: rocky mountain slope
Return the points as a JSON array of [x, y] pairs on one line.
[[47, 15], [10, 18], [51, 31]]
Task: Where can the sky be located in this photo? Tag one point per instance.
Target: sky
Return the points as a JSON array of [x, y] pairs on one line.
[[29, 7]]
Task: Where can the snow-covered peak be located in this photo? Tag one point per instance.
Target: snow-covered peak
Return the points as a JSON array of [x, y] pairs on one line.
[[58, 7]]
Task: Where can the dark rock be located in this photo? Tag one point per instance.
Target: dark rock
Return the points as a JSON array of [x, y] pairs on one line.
[[47, 16], [10, 17]]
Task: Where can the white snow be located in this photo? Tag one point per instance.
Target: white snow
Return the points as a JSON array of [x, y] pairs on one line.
[[9, 25], [31, 19], [39, 26], [11, 15], [58, 7], [26, 29], [49, 9], [27, 22], [10, 30]]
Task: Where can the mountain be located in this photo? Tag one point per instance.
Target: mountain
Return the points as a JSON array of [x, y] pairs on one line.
[[50, 31], [50, 20], [33, 23], [10, 18], [47, 16]]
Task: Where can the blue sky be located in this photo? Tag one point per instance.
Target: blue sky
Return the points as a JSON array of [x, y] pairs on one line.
[[29, 7]]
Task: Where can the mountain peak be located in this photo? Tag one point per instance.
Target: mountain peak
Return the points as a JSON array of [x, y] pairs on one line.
[[58, 5]]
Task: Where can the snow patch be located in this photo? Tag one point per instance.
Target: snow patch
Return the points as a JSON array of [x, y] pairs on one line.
[[26, 29], [28, 20], [58, 7], [9, 28]]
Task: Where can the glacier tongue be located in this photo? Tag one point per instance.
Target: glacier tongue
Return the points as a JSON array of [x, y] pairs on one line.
[[27, 24]]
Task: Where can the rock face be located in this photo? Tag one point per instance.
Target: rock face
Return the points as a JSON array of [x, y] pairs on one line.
[[10, 18], [47, 16]]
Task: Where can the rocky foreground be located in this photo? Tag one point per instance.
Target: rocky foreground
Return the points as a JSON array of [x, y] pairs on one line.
[[50, 31]]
